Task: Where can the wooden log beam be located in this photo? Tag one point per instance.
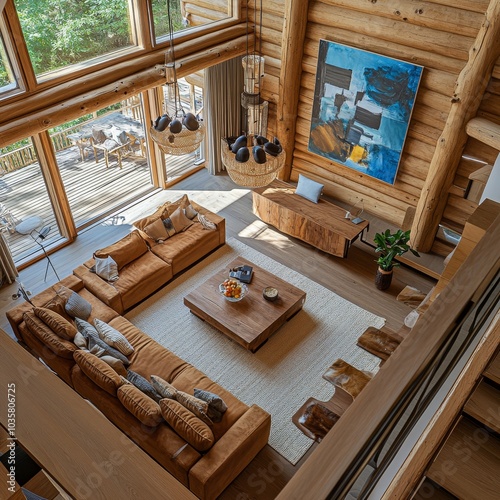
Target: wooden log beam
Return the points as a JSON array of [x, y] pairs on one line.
[[485, 131], [470, 87], [294, 32], [113, 73], [74, 107]]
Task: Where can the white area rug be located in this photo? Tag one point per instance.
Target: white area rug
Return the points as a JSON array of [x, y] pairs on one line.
[[286, 370]]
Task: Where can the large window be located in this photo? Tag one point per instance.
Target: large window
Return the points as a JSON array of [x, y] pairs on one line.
[[62, 33], [102, 160], [8, 79], [25, 206], [188, 14]]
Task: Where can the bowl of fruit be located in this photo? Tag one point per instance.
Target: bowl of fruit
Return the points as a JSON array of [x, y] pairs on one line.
[[233, 290]]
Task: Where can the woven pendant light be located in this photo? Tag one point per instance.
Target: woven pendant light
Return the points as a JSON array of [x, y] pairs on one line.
[[252, 160], [175, 131]]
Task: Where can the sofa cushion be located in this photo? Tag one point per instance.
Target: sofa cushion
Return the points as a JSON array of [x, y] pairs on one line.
[[62, 347], [60, 326], [113, 337], [187, 425], [106, 268], [75, 305], [124, 251], [157, 231], [197, 406], [187, 247], [163, 388], [115, 363], [143, 385], [140, 405], [58, 305], [179, 220], [141, 278], [98, 371], [216, 406], [206, 223], [190, 212], [93, 339], [162, 212]]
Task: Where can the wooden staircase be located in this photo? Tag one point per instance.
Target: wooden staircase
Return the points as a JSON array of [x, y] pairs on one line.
[[467, 466]]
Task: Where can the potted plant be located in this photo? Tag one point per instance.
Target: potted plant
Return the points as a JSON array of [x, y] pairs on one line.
[[390, 246]]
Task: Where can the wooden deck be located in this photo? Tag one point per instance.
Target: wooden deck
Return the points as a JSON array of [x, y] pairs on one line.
[[93, 192]]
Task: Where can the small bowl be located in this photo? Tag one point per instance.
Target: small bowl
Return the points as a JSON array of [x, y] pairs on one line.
[[243, 293], [270, 293]]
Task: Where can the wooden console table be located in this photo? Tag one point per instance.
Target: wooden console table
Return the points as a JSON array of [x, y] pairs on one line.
[[322, 225]]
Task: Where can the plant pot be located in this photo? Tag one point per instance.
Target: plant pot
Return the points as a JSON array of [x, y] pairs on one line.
[[383, 279]]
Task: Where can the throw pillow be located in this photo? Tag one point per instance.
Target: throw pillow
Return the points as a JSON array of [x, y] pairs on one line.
[[141, 406], [156, 231], [106, 268], [163, 388], [169, 227], [124, 251], [116, 364], [80, 341], [181, 203], [207, 224], [76, 306], [146, 221], [216, 405], [187, 425], [308, 189], [60, 326], [190, 212], [98, 371], [93, 339], [180, 221], [143, 385], [59, 346], [197, 406], [57, 304], [113, 337]]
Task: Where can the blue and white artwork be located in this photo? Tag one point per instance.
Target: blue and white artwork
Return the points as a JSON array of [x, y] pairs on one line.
[[362, 108]]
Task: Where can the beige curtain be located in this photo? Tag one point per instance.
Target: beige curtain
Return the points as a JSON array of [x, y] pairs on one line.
[[222, 107], [8, 268]]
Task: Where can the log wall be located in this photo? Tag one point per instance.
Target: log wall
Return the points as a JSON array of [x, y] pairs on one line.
[[436, 34]]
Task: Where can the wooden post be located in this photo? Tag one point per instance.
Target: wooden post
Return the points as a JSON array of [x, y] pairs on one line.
[[55, 185], [469, 89], [292, 46]]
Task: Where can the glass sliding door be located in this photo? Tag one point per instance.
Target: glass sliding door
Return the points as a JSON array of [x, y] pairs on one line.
[[102, 161], [25, 207]]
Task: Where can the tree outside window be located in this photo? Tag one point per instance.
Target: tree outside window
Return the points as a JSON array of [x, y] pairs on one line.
[[60, 33]]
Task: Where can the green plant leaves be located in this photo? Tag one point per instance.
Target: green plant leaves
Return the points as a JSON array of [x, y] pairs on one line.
[[392, 245]]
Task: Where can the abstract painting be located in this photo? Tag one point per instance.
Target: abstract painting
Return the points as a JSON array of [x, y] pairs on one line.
[[362, 108]]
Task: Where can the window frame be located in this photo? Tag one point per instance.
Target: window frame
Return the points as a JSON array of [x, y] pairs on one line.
[[17, 87], [145, 43]]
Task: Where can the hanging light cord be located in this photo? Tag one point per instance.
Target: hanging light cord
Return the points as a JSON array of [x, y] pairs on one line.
[[177, 97]]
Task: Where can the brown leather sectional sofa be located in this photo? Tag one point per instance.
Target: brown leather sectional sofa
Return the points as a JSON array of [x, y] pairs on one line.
[[243, 430]]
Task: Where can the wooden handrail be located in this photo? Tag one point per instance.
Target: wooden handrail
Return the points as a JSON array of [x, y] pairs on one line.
[[345, 443]]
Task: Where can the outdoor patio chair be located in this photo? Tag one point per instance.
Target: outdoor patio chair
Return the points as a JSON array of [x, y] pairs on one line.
[[119, 147]]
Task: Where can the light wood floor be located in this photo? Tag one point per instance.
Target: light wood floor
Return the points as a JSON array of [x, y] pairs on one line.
[[351, 278]]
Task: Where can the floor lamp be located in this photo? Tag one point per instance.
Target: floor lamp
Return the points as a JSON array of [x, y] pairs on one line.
[[39, 237]]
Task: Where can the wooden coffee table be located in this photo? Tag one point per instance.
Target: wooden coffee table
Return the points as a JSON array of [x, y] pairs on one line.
[[252, 320]]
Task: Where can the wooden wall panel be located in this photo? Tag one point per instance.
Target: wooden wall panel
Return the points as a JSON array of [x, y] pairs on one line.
[[437, 35]]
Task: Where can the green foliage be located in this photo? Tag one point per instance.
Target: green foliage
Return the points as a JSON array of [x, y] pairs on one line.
[[390, 246], [59, 33], [160, 16], [6, 76]]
